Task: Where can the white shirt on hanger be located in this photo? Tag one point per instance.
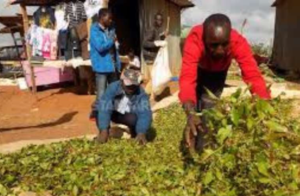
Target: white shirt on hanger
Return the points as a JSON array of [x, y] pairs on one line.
[[61, 24], [92, 7]]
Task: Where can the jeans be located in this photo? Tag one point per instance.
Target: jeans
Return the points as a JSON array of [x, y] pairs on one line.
[[215, 83], [102, 80]]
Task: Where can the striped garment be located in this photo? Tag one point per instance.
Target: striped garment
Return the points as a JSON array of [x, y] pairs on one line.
[[75, 13]]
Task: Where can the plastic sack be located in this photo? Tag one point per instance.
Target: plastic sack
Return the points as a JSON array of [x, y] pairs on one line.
[[161, 73]]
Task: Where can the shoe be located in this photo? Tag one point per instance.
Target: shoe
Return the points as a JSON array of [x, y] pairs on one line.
[[93, 115], [102, 137]]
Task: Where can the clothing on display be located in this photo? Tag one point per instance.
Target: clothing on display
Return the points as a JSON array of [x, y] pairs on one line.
[[43, 42], [53, 47], [92, 7], [62, 42], [75, 13], [46, 46], [73, 49], [82, 33], [44, 17], [35, 38], [61, 23]]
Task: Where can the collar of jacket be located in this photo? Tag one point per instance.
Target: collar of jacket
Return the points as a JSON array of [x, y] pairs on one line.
[[120, 93], [101, 27]]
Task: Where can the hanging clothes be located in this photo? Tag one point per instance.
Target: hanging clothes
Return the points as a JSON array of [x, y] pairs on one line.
[[54, 45], [46, 46], [44, 17], [35, 39], [61, 23], [43, 42], [75, 13], [82, 33], [92, 7], [73, 49]]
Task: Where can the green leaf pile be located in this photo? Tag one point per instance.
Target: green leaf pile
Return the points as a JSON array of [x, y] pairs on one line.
[[253, 148]]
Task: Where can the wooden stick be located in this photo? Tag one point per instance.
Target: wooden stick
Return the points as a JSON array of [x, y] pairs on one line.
[[28, 51], [168, 25]]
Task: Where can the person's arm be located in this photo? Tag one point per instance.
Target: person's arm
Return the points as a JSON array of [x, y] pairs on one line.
[[188, 77], [106, 107], [144, 116], [100, 44], [149, 40], [250, 71]]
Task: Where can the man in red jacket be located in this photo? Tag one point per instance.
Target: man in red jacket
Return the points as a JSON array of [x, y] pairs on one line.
[[208, 52]]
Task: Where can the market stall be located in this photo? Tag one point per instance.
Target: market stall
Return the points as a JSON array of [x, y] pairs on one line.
[[52, 44], [132, 18], [13, 54]]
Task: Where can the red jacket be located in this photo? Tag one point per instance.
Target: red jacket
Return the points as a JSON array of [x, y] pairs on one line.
[[194, 56]]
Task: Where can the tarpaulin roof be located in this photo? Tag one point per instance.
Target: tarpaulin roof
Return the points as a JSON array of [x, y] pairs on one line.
[[181, 3]]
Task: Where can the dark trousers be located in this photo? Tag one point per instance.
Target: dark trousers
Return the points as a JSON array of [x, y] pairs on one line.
[[102, 81], [215, 83], [128, 119]]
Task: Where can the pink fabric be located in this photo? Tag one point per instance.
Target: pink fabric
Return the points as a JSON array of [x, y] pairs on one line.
[[53, 48], [46, 47], [47, 75]]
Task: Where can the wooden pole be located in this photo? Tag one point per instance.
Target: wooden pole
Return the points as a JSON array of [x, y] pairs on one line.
[[28, 51], [168, 25]]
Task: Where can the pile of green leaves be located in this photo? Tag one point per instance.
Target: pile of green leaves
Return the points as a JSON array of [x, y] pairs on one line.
[[253, 149]]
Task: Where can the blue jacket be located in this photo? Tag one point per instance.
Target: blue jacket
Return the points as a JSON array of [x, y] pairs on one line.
[[140, 106], [100, 46]]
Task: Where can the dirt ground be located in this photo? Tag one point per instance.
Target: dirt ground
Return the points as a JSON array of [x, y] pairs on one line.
[[50, 114], [60, 113]]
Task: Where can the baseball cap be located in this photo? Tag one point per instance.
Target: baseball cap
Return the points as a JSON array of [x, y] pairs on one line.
[[131, 77]]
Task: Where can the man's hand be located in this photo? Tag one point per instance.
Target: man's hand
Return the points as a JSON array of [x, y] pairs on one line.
[[193, 126], [192, 129], [164, 35], [115, 38], [141, 139]]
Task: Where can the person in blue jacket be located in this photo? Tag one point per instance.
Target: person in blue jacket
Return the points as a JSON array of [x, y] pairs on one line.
[[104, 54], [125, 102]]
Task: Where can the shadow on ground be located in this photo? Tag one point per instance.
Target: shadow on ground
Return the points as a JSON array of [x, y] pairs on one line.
[[62, 120]]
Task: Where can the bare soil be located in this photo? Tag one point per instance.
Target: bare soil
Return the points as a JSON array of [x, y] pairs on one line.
[[49, 114]]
